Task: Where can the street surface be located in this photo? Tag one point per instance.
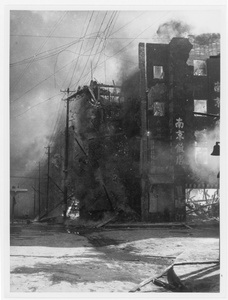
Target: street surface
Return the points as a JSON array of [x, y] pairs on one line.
[[53, 258]]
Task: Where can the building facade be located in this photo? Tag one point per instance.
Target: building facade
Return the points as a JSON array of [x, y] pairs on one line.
[[180, 103]]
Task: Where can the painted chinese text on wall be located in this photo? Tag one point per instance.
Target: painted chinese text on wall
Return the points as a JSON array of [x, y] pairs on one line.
[[179, 133]]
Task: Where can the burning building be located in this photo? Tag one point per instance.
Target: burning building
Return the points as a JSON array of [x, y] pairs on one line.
[[180, 103]]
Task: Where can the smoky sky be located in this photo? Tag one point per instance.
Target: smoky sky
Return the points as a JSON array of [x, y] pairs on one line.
[[174, 29], [53, 50]]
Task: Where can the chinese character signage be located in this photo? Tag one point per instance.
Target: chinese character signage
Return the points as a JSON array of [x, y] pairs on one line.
[[179, 137], [217, 94], [217, 87]]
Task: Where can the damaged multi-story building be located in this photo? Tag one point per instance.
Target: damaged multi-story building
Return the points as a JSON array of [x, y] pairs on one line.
[[180, 104]]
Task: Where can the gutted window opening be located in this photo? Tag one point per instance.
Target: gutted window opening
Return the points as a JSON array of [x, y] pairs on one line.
[[201, 147], [201, 136], [200, 68], [159, 109], [158, 72], [201, 155], [200, 106]]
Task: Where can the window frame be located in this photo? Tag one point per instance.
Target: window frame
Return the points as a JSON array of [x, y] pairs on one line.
[[161, 72], [162, 106], [200, 111], [200, 68]]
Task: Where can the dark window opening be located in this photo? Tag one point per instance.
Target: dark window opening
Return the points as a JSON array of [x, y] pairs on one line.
[[159, 109]]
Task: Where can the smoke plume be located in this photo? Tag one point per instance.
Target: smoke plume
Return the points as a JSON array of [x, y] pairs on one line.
[[172, 29], [207, 169]]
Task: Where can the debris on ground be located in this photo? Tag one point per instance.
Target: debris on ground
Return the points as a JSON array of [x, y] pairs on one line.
[[60, 258], [107, 221], [170, 280]]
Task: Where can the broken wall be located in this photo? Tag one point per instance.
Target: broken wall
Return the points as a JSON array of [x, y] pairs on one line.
[[170, 89]]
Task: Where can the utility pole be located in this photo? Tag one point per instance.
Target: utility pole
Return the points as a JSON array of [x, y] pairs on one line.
[[66, 149], [48, 176], [34, 197], [39, 190]]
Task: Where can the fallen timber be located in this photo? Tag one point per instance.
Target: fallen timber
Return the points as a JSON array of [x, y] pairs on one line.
[[174, 283]]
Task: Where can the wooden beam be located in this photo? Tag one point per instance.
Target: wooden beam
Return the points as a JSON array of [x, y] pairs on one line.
[[151, 279]]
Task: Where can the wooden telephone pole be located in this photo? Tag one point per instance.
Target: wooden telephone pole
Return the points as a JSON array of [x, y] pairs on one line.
[[48, 176], [69, 97], [34, 199], [39, 190]]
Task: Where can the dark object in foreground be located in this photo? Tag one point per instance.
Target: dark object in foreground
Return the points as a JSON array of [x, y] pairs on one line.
[[174, 283]]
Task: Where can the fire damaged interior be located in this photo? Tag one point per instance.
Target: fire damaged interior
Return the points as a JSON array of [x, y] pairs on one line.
[[180, 104]]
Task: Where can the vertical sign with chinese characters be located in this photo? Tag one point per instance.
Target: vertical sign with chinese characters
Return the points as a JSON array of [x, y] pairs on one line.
[[217, 94], [179, 141]]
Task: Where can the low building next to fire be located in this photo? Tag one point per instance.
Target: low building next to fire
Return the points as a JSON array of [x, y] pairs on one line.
[[180, 103]]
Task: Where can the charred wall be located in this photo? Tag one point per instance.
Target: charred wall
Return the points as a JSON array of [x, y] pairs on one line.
[[171, 90]]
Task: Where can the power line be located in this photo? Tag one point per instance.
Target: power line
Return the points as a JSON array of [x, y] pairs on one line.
[[106, 31], [46, 54], [72, 37], [58, 117], [116, 16], [28, 66], [51, 52], [122, 48], [127, 60], [128, 23], [105, 38], [63, 48], [14, 117], [111, 38], [44, 36], [87, 60], [75, 50], [126, 46], [81, 47], [59, 114], [26, 60], [92, 47], [43, 80]]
